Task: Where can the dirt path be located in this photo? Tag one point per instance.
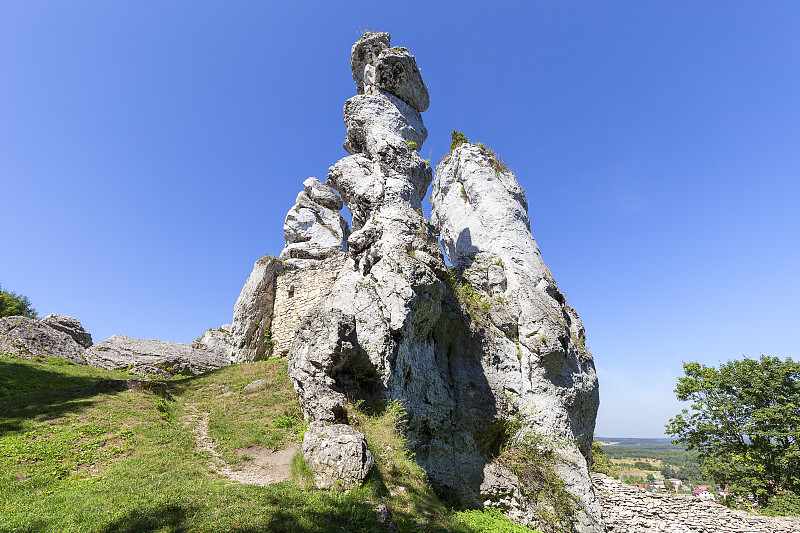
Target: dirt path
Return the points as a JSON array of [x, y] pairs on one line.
[[265, 466]]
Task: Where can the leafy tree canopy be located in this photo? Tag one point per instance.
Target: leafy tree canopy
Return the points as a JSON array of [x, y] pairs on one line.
[[12, 304], [744, 423]]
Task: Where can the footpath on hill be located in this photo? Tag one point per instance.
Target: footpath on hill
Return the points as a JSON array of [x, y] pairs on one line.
[[629, 509]]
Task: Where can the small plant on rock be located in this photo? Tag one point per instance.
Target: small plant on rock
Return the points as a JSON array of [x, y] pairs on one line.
[[457, 139]]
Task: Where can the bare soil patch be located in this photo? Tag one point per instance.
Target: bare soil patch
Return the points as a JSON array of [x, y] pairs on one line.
[[263, 467]]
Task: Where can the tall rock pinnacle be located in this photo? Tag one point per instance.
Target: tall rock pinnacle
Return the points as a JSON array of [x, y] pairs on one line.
[[385, 302], [535, 341], [486, 358]]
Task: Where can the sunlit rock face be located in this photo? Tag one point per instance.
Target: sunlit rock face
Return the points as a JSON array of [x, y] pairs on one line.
[[490, 343], [534, 343]]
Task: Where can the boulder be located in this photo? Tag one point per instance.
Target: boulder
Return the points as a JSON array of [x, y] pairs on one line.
[[70, 326], [146, 356], [252, 314], [321, 194], [324, 345], [337, 455], [313, 230], [377, 67], [29, 337], [218, 340]]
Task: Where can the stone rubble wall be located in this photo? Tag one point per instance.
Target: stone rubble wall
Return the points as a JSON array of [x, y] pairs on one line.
[[629, 509], [296, 294]]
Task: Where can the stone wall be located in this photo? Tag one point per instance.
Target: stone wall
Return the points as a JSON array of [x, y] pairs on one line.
[[296, 293], [629, 509]]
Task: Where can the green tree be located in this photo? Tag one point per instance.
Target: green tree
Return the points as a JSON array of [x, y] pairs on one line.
[[600, 461], [744, 424], [12, 304]]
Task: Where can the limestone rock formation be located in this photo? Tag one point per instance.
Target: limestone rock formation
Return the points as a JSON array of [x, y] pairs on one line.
[[485, 358], [252, 314], [145, 356], [533, 342], [314, 229], [378, 67], [218, 340], [70, 326], [337, 454], [54, 336]]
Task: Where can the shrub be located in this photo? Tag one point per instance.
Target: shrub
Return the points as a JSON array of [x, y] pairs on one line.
[[13, 304], [600, 461], [471, 300], [785, 504], [533, 458], [457, 139]]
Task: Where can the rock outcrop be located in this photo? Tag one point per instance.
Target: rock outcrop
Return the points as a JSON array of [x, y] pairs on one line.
[[485, 358], [70, 326], [385, 301], [629, 509], [252, 314], [533, 342], [336, 454], [314, 229], [152, 357], [54, 336], [218, 340]]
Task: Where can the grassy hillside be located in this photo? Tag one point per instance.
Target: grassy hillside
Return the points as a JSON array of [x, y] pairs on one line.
[[75, 457]]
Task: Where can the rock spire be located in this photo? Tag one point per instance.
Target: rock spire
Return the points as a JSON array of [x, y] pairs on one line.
[[534, 343], [486, 357]]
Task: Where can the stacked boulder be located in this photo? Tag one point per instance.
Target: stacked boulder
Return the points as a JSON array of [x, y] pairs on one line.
[[314, 229], [385, 302]]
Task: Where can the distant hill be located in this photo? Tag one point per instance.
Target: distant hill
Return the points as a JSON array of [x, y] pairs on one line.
[[624, 442]]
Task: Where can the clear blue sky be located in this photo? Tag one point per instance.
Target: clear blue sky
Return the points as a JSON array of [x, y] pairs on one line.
[[149, 152]]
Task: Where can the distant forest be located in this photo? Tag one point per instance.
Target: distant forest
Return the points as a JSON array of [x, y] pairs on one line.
[[676, 462]]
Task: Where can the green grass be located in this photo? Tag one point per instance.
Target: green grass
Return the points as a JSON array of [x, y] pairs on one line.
[[75, 459]]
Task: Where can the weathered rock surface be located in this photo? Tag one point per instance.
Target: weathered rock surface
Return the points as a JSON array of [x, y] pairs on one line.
[[252, 314], [467, 356], [146, 356], [29, 337], [337, 454], [379, 67], [314, 229], [533, 342], [324, 345], [70, 326], [629, 509], [218, 340]]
